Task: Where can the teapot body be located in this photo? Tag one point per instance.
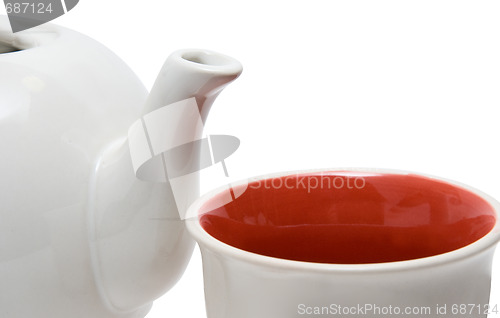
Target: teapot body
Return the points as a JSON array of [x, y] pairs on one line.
[[65, 108]]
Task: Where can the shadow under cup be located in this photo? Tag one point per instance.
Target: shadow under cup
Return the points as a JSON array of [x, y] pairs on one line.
[[349, 217]]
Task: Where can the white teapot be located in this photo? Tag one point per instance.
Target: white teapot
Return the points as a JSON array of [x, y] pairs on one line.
[[80, 234]]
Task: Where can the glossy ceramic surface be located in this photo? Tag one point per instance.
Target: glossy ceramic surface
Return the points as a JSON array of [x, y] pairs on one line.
[[80, 234], [293, 242]]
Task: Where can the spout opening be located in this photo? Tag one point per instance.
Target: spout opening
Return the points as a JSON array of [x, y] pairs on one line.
[[206, 58], [209, 60]]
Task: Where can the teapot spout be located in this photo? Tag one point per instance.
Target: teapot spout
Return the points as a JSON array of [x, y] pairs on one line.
[[175, 112], [201, 74]]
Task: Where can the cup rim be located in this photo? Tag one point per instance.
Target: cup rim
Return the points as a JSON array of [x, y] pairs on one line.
[[204, 239]]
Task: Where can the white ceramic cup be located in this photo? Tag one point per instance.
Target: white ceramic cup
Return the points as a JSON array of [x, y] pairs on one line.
[[347, 243]]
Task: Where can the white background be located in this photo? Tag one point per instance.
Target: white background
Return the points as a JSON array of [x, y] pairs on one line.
[[411, 85]]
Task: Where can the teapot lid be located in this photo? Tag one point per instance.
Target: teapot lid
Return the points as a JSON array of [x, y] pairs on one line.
[[12, 42]]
